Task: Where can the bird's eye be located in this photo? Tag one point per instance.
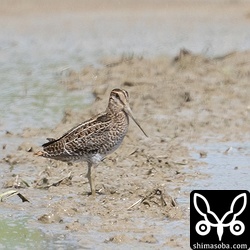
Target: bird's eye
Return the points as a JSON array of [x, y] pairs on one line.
[[116, 95]]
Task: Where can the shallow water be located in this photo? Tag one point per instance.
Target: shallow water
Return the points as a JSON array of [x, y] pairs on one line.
[[227, 164], [22, 232], [19, 233]]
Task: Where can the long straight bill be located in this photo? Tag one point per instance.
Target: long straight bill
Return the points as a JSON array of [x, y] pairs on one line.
[[129, 112]]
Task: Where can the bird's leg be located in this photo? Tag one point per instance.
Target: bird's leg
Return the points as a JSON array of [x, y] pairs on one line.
[[91, 178]]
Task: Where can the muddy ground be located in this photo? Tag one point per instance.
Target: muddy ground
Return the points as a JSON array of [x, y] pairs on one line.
[[186, 99]]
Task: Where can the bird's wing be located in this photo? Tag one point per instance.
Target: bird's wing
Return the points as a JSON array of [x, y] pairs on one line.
[[90, 137], [85, 136]]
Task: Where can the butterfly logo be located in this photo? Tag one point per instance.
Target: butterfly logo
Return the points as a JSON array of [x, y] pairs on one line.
[[203, 227]]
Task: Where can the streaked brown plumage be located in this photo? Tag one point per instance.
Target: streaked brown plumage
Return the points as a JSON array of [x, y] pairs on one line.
[[94, 139]]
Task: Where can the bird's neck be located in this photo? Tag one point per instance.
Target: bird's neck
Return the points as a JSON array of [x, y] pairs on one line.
[[113, 112]]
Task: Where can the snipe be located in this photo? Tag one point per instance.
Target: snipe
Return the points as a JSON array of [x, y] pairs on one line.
[[94, 139]]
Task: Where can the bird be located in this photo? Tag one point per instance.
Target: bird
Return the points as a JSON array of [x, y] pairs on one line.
[[94, 139]]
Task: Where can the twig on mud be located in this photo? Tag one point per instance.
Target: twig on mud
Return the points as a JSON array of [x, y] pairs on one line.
[[135, 151], [185, 162], [25, 183], [228, 150], [18, 182], [151, 195], [54, 184], [139, 201], [11, 193]]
